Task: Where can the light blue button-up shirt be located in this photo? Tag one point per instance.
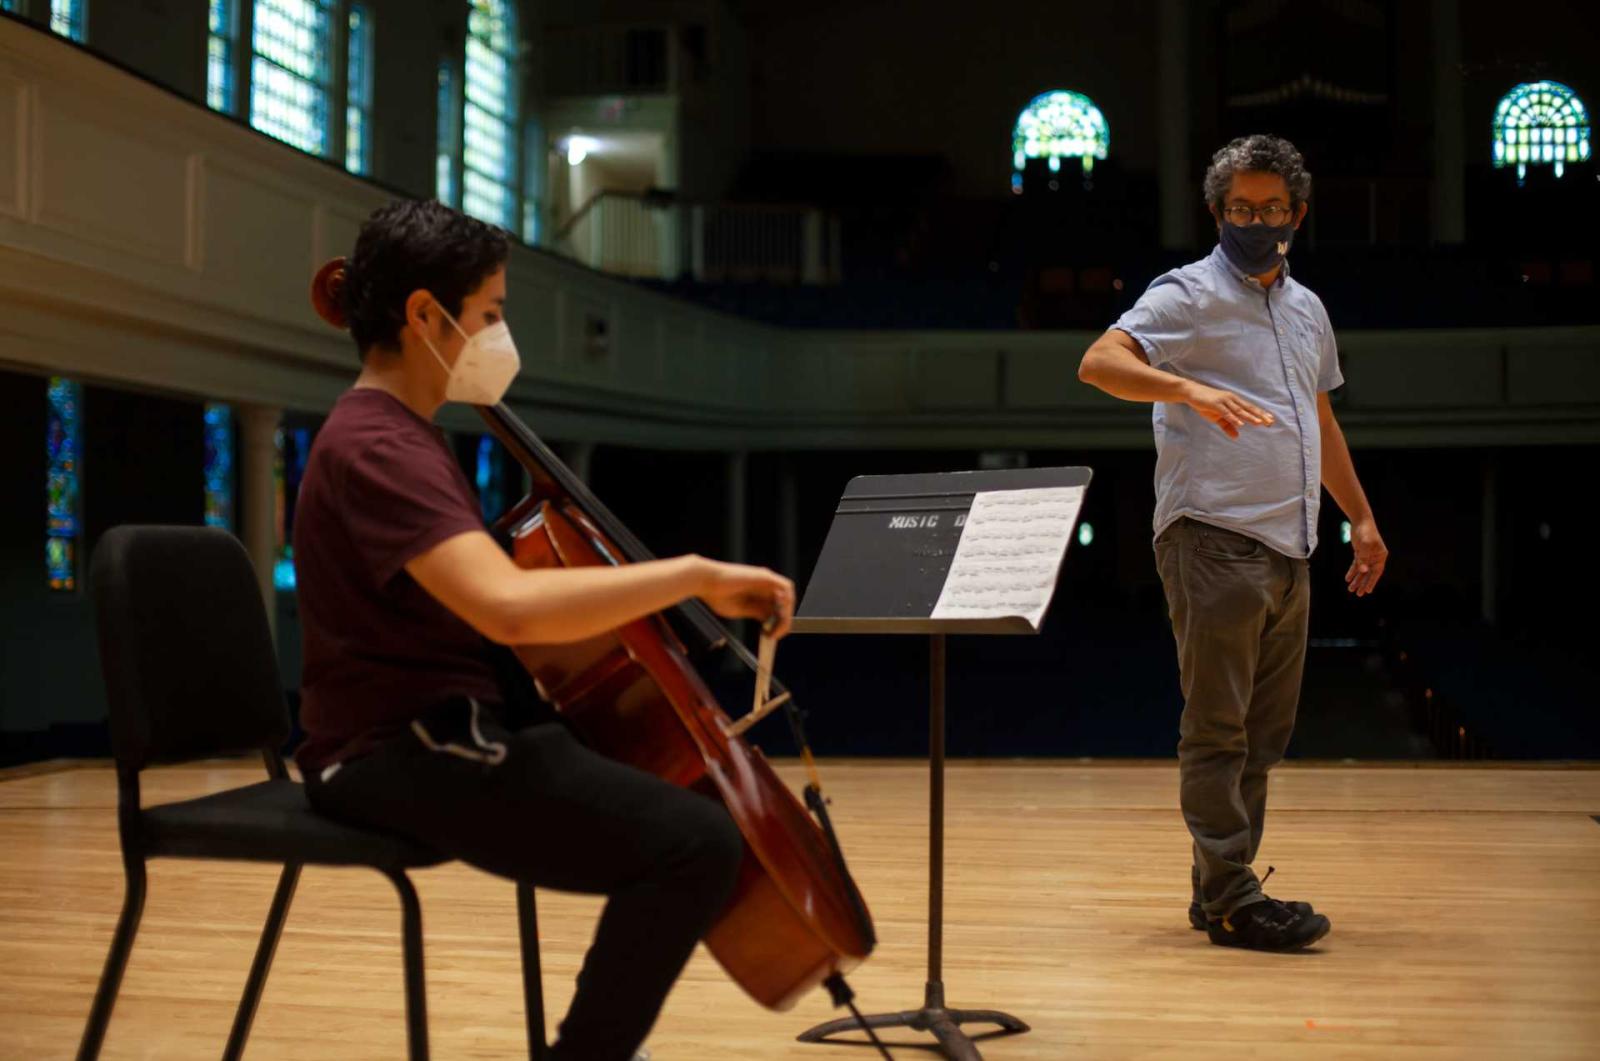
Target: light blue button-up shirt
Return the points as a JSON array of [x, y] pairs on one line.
[[1211, 323]]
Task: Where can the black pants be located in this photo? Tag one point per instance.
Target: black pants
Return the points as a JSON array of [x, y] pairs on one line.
[[534, 805]]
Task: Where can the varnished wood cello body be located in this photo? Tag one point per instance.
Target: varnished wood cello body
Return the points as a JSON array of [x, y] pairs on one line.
[[795, 918]]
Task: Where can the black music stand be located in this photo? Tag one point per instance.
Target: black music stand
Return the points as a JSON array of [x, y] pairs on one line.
[[883, 570]]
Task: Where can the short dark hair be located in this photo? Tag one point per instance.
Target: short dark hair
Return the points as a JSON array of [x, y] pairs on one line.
[[410, 244], [1258, 153]]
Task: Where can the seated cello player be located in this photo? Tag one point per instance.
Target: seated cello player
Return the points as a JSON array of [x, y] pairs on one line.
[[409, 726]]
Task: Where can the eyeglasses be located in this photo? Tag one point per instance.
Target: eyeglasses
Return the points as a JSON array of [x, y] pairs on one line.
[[1273, 215]]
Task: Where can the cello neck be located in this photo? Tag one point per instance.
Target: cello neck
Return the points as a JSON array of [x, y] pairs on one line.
[[552, 479]]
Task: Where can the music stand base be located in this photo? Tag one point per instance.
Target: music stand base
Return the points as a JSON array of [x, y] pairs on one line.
[[945, 1024]]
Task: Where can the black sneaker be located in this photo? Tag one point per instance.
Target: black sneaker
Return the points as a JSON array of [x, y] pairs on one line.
[[1268, 925], [1197, 916]]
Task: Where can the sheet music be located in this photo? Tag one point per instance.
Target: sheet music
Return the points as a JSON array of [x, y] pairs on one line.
[[1009, 554]]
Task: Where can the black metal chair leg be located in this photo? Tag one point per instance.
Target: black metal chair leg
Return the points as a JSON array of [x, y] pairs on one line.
[[105, 996], [263, 962], [416, 991], [532, 981]]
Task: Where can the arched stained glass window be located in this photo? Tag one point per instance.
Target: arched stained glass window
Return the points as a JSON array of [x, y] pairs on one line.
[[490, 122], [1057, 125], [1540, 123], [61, 529]]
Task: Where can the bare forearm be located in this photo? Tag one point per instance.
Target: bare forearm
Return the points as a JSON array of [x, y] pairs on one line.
[[473, 577], [560, 605], [1339, 473], [1120, 374], [1116, 364]]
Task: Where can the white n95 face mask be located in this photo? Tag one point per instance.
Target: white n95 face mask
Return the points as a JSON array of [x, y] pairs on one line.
[[484, 369]]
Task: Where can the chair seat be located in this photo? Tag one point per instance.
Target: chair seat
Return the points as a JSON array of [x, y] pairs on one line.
[[273, 822]]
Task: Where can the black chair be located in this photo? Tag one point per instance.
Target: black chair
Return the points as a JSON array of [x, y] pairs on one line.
[[190, 673]]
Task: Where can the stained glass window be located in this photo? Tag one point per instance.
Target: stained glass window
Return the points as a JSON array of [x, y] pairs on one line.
[[8, 5], [490, 121], [62, 446], [1540, 123], [219, 465], [448, 137], [67, 18], [224, 35], [289, 467], [1057, 125], [290, 71], [358, 92], [490, 478]]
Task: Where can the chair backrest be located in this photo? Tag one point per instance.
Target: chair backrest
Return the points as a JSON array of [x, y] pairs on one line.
[[185, 650]]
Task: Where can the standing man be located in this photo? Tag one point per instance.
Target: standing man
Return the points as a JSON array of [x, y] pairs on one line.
[[1239, 359]]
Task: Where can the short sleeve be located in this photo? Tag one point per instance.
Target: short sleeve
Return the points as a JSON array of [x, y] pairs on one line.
[[1329, 376], [401, 499], [1162, 321]]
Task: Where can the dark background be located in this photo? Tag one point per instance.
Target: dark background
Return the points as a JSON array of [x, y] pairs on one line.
[[897, 115]]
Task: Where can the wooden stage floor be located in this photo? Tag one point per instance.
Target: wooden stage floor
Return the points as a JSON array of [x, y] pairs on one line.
[[1465, 905]]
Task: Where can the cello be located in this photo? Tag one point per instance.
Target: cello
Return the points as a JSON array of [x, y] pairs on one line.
[[796, 919]]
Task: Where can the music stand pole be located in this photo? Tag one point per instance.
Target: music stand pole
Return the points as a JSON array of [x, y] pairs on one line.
[[945, 1024], [934, 997]]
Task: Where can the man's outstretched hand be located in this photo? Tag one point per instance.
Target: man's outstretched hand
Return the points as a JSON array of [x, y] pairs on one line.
[[1226, 409]]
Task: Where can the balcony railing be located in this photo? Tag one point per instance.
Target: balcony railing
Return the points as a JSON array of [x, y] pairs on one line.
[[661, 238]]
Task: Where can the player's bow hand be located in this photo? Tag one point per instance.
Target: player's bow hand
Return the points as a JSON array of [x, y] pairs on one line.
[[740, 591], [1225, 409]]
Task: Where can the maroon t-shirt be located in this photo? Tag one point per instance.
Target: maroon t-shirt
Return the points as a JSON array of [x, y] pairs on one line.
[[380, 489]]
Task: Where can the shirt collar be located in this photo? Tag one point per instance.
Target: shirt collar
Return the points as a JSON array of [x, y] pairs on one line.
[[1220, 258]]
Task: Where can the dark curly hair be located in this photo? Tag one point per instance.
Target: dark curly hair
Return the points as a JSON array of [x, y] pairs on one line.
[[411, 244], [1262, 154]]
